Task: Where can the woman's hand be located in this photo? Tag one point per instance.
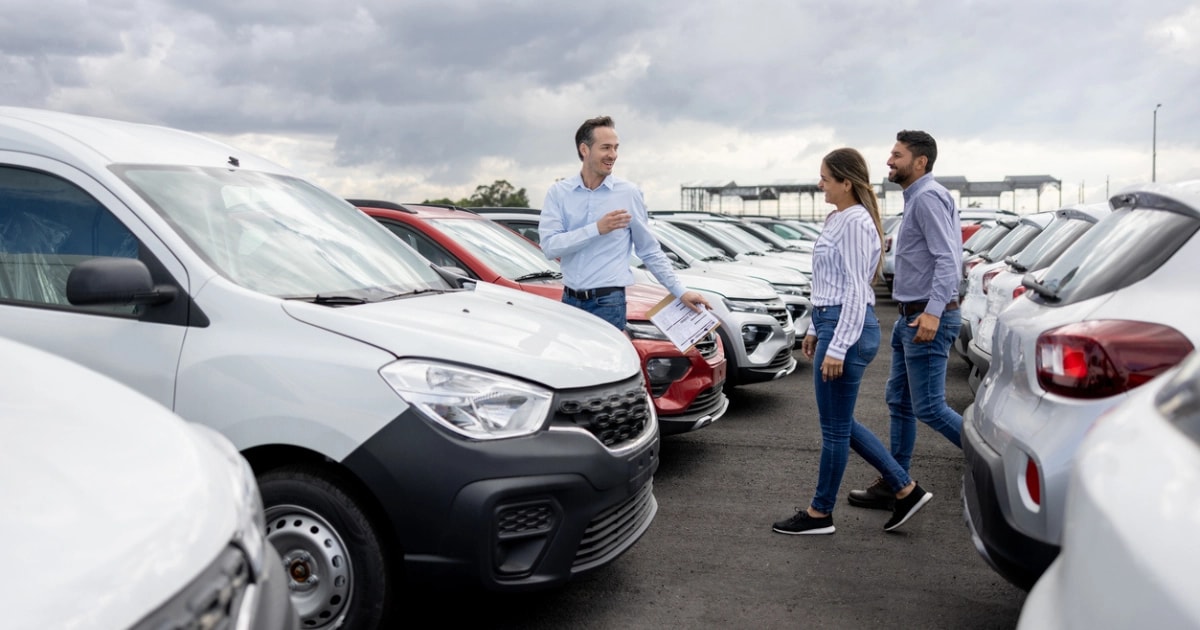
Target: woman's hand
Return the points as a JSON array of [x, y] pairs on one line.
[[831, 369], [809, 346]]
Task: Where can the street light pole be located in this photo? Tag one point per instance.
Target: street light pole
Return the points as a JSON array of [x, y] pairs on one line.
[[1154, 146]]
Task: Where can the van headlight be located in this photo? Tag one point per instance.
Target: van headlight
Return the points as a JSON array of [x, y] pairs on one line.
[[472, 403], [790, 289]]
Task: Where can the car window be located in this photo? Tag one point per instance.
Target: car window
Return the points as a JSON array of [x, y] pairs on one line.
[[1013, 242], [993, 236], [506, 253], [1051, 243], [424, 245], [47, 226], [1123, 248], [972, 244]]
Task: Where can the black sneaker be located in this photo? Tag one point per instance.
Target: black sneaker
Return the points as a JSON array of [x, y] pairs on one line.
[[802, 523], [907, 506], [877, 496]]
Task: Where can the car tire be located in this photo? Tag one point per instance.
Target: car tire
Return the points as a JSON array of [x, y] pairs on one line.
[[333, 554]]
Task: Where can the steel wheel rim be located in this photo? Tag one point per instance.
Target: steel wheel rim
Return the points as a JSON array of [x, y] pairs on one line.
[[316, 563]]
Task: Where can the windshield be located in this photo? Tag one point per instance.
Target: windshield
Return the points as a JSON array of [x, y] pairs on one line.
[[280, 235], [742, 240], [764, 234], [685, 242], [509, 254]]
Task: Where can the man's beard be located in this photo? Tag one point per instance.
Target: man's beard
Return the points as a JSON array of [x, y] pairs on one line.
[[899, 177]]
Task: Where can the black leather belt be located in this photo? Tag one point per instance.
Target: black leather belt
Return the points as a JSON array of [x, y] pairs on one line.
[[915, 308], [589, 294]]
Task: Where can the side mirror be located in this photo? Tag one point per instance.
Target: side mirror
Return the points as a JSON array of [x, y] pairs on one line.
[[454, 276], [108, 281]]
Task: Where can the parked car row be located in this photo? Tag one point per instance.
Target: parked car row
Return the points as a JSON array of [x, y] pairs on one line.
[[1082, 432], [337, 397]]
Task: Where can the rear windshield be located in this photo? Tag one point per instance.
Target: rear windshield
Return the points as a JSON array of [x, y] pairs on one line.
[[1050, 244], [1013, 242], [992, 237], [1123, 248]]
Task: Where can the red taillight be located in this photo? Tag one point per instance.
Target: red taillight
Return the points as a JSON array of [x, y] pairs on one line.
[[988, 277], [1018, 292], [1098, 359], [1033, 482]]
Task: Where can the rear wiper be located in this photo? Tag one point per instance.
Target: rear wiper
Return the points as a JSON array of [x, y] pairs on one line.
[[1033, 285], [1016, 266], [331, 300], [538, 274]]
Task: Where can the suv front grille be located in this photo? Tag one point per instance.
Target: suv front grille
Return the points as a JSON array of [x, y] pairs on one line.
[[781, 315], [707, 400], [614, 529], [615, 414]]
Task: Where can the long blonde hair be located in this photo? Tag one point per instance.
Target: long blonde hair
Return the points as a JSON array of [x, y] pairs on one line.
[[848, 164]]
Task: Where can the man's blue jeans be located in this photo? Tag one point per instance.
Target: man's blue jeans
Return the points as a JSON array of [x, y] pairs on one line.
[[917, 385], [840, 432], [610, 307]]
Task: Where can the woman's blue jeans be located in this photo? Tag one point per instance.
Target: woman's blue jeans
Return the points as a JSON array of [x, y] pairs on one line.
[[840, 432], [916, 387]]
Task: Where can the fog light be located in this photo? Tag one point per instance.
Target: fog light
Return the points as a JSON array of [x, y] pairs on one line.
[[661, 372], [753, 335]]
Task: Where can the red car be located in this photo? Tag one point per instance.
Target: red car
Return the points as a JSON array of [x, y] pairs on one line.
[[687, 389]]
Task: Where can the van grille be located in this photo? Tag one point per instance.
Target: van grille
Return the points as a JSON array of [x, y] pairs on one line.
[[615, 414], [780, 314], [615, 529]]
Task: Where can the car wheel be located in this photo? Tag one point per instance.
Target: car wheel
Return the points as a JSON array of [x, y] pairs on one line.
[[332, 553]]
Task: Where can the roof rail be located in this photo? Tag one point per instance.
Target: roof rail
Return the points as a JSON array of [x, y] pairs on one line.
[[374, 203], [488, 209]]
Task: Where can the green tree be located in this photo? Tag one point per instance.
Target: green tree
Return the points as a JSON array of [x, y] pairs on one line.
[[499, 194]]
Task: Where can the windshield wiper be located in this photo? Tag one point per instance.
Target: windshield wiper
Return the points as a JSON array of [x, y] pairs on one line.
[[331, 300], [538, 274], [408, 294], [716, 259]]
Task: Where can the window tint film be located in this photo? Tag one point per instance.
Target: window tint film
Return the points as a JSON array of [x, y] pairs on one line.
[[1123, 248], [47, 226], [1050, 244]]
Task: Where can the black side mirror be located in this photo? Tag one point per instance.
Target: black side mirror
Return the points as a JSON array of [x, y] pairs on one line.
[[105, 281]]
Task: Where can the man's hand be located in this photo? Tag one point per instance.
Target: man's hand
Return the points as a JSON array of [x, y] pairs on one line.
[[615, 220], [692, 299], [809, 346], [927, 327]]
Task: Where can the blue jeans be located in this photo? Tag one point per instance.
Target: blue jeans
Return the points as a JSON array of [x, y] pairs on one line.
[[840, 432], [610, 308], [916, 387]]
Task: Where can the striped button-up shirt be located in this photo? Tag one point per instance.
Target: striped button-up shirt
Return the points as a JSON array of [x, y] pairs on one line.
[[589, 259], [845, 258]]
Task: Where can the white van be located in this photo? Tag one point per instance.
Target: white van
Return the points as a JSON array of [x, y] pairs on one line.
[[398, 424], [117, 514]]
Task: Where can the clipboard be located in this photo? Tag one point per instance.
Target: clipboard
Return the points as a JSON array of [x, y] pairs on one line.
[[683, 326]]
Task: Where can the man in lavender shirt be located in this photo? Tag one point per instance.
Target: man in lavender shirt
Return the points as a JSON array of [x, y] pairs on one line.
[[928, 260]]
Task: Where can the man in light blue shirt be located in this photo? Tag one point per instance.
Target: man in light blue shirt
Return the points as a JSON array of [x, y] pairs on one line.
[[928, 264], [593, 221]]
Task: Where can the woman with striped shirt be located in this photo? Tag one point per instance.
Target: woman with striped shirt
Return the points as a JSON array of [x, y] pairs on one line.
[[843, 339]]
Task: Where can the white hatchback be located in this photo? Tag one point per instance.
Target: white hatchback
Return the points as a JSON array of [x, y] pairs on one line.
[[1114, 311]]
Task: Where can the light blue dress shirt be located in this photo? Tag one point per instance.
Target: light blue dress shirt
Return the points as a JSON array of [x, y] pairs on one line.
[[928, 247], [591, 260]]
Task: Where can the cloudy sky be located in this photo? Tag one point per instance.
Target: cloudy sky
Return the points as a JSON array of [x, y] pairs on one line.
[[413, 99]]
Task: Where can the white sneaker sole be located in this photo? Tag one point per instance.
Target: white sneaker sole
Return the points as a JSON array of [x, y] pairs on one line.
[[916, 508], [819, 530]]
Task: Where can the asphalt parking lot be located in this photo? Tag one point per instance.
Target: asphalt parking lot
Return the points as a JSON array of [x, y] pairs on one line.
[[710, 559]]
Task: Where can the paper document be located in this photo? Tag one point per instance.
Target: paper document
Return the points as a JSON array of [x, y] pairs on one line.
[[683, 326]]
